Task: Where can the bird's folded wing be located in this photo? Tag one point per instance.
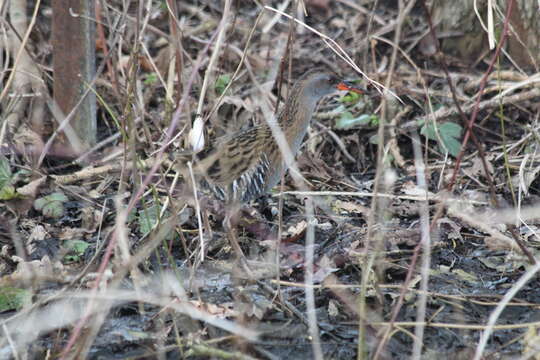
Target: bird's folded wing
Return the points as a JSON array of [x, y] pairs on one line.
[[238, 158]]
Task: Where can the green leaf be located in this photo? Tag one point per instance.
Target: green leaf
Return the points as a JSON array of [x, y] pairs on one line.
[[40, 203], [57, 196], [374, 120], [76, 246], [5, 171], [451, 129], [53, 209], [429, 130], [151, 78], [221, 83], [76, 249], [452, 145], [449, 134], [147, 219], [347, 121], [51, 205], [350, 98], [7, 191], [13, 298]]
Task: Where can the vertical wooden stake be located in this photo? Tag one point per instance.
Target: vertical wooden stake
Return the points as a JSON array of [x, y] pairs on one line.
[[73, 39]]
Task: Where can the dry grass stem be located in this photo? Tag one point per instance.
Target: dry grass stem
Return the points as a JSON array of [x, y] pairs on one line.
[[196, 135]]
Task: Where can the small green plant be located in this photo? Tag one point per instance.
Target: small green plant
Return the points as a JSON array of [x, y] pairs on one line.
[[350, 98], [151, 79], [448, 134], [7, 190], [12, 298], [221, 83], [52, 205], [347, 121], [76, 249], [149, 217], [374, 120]]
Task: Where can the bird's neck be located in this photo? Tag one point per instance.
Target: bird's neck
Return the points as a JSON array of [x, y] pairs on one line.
[[296, 115]]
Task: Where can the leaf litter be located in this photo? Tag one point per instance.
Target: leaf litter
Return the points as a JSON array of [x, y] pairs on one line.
[[54, 237]]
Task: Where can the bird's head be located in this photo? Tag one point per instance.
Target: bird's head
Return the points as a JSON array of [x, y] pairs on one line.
[[319, 83]]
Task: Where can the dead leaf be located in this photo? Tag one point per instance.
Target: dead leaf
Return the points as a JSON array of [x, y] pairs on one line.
[[90, 219], [30, 189], [295, 231], [505, 264], [35, 269], [325, 267], [496, 244], [70, 233], [525, 178], [463, 275], [333, 309], [28, 143], [293, 255], [477, 168], [339, 23], [325, 226], [411, 188], [455, 233], [531, 343], [398, 236], [221, 311], [341, 207], [256, 305]]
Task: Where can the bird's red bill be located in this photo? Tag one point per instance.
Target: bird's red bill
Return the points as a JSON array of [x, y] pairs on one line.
[[345, 85]]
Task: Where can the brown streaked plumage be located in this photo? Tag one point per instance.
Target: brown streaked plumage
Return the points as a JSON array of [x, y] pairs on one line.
[[242, 166]]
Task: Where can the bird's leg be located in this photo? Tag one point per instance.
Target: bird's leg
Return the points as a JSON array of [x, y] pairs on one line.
[[253, 221], [231, 228]]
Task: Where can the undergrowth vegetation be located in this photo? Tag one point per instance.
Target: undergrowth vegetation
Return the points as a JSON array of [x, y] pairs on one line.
[[407, 228]]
